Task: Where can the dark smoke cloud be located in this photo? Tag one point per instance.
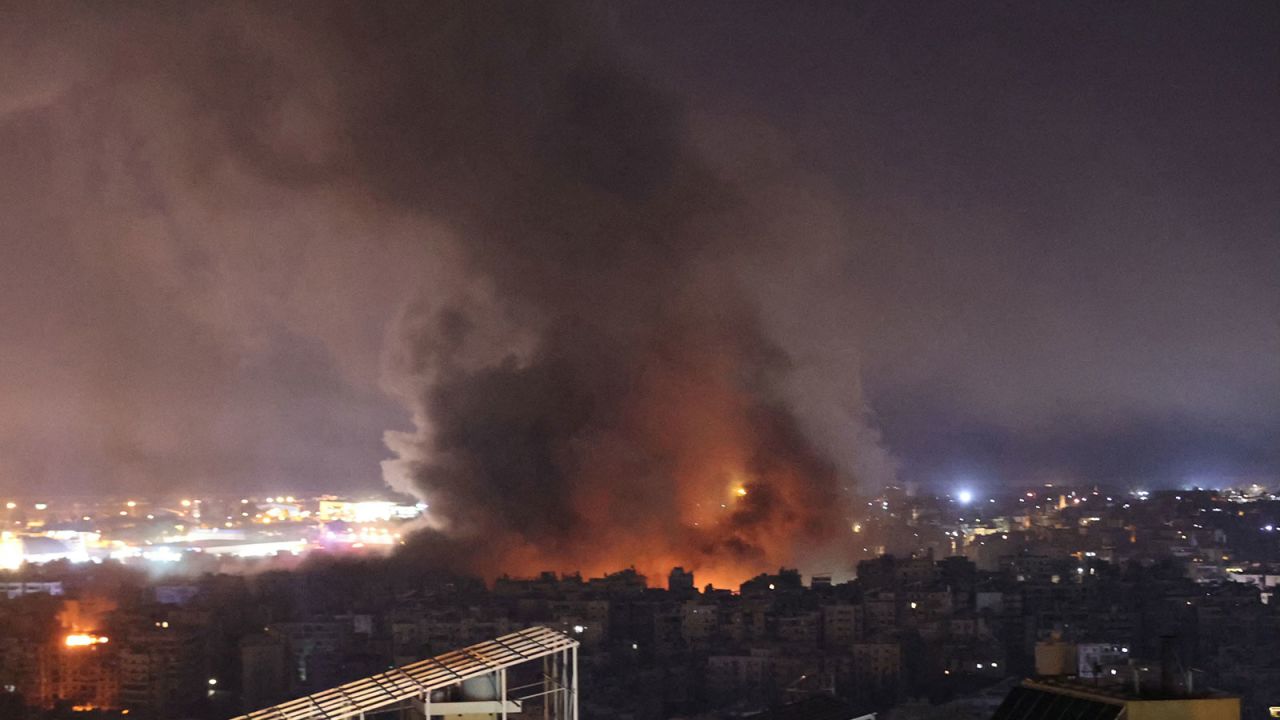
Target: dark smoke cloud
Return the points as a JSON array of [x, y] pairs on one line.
[[643, 390], [590, 382]]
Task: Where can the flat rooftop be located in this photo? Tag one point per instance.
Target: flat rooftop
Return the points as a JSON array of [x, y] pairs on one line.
[[1120, 692], [1057, 699]]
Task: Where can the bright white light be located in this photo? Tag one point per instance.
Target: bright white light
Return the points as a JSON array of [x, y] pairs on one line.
[[579, 629], [162, 555], [965, 497], [11, 551]]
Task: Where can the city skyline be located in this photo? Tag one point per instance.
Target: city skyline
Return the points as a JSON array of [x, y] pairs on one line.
[[957, 597], [649, 359]]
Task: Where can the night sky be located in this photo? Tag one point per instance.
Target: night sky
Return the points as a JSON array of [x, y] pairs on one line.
[[990, 243]]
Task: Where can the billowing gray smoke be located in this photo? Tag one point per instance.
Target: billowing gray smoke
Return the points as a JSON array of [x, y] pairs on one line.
[[599, 393], [591, 386], [634, 415]]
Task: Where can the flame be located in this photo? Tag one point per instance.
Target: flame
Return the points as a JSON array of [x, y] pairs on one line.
[[85, 640], [693, 472]]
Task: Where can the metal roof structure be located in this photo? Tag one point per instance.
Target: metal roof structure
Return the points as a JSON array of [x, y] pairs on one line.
[[416, 681], [1033, 703], [1066, 699]]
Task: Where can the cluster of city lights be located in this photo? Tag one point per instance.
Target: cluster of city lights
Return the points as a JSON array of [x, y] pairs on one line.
[[283, 526]]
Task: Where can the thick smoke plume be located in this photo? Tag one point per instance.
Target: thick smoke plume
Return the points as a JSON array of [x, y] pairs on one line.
[[599, 392], [611, 397], [590, 383]]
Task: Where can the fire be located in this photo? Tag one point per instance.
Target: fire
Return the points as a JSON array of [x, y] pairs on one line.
[[85, 640], [690, 469]]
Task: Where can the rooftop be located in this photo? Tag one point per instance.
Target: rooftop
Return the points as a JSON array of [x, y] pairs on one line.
[[1037, 699]]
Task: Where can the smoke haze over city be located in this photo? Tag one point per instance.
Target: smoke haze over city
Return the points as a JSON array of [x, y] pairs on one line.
[[648, 284]]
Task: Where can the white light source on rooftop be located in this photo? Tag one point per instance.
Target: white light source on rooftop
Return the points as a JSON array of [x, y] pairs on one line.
[[964, 496]]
